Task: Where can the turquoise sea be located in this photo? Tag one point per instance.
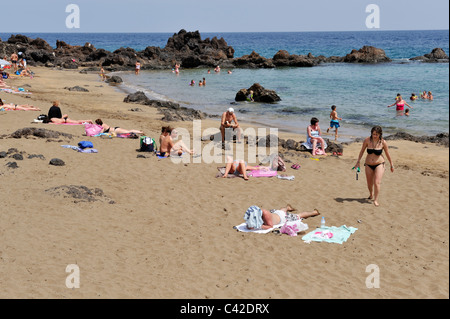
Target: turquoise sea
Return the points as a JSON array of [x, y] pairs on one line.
[[361, 92]]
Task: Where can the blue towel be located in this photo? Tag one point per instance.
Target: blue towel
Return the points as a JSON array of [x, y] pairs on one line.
[[340, 234], [253, 217]]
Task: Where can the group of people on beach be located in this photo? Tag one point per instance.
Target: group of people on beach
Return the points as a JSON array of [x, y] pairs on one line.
[[19, 65], [56, 116]]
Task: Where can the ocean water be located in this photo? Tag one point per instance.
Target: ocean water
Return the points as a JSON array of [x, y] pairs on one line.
[[360, 92]]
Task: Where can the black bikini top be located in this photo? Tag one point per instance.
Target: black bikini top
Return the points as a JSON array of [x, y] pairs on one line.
[[374, 151]]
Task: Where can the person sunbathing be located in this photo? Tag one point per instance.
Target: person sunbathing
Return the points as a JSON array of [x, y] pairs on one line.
[[15, 107], [258, 218], [55, 116], [239, 167], [66, 120], [116, 130]]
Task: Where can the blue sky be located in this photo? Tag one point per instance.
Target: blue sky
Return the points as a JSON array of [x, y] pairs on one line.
[[224, 16]]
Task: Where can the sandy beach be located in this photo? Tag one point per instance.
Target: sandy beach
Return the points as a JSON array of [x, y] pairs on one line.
[[159, 230]]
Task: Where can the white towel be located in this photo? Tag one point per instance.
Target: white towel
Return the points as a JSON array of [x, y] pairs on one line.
[[243, 228]]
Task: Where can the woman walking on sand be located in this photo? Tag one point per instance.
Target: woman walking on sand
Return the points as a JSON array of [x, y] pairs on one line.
[[375, 145]]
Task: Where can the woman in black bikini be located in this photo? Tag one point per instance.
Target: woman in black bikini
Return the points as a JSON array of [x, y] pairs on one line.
[[375, 145], [117, 130]]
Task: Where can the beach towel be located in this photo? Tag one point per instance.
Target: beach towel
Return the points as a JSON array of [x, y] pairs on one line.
[[243, 228], [262, 173], [81, 150], [222, 172], [287, 177], [331, 234], [308, 144], [64, 123]]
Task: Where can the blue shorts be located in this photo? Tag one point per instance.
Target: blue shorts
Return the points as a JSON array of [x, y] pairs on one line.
[[334, 123]]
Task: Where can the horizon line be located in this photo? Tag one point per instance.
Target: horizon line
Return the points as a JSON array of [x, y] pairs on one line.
[[143, 32]]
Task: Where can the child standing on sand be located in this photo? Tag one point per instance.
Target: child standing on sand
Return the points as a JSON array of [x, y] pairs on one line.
[[334, 121]]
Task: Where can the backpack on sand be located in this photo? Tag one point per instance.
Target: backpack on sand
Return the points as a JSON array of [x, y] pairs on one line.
[[147, 144]]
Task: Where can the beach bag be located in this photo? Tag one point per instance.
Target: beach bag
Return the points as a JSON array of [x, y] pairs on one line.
[[291, 228], [278, 164], [147, 144], [44, 118], [85, 144], [92, 129]]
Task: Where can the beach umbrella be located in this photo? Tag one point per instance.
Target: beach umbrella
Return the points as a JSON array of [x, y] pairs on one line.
[[4, 62]]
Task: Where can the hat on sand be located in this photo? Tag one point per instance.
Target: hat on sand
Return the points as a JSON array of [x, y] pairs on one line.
[[253, 217], [231, 110]]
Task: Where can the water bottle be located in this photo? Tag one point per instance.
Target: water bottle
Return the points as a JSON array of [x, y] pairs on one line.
[[322, 222]]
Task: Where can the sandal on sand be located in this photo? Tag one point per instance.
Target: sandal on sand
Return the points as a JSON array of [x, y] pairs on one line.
[[316, 210], [295, 166]]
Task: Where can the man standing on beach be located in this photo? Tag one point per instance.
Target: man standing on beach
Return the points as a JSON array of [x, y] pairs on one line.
[[14, 58], [227, 118]]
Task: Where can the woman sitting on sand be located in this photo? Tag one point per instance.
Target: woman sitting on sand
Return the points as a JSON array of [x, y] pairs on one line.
[[15, 107], [314, 138], [116, 130], [375, 145], [257, 218], [238, 167]]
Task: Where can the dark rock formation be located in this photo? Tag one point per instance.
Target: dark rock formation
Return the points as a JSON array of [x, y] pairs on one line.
[[114, 79], [283, 58], [185, 48], [253, 61], [440, 139], [171, 111], [367, 54], [436, 55], [39, 132], [57, 162], [260, 94], [77, 89], [79, 193]]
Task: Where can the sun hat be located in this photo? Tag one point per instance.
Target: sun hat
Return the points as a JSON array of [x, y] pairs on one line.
[[231, 110]]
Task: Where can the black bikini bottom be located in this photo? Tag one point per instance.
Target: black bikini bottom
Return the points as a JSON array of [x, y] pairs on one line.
[[373, 167]]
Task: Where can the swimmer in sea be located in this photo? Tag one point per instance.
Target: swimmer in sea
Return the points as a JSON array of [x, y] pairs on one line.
[[400, 104]]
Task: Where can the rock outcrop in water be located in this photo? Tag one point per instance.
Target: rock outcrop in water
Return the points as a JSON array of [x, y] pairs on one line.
[[187, 49], [436, 55], [260, 94], [367, 54]]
